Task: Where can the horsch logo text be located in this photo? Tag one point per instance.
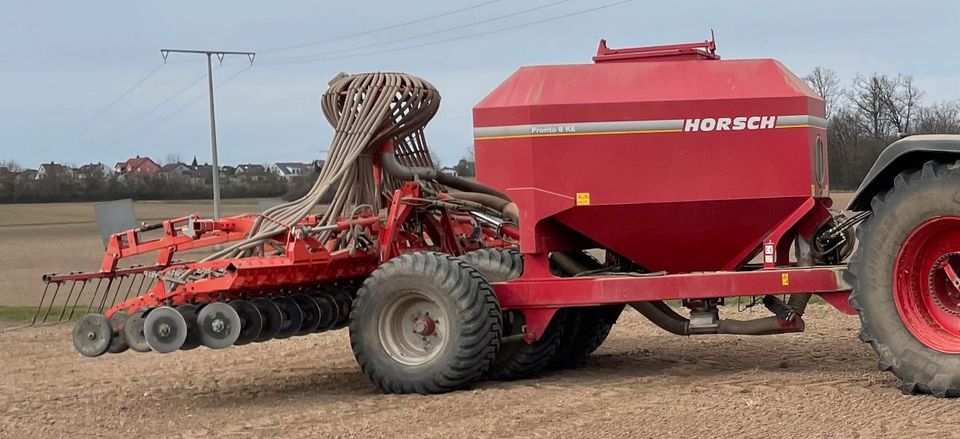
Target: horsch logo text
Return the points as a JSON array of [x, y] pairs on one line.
[[730, 123]]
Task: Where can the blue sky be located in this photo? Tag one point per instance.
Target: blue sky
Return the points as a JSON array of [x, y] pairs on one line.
[[62, 62]]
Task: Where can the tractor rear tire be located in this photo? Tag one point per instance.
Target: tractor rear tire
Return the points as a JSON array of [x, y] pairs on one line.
[[425, 323], [586, 329], [909, 315]]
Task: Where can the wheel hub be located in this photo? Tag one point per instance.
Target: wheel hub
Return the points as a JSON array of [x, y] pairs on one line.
[[927, 286], [424, 325], [412, 329], [944, 283]]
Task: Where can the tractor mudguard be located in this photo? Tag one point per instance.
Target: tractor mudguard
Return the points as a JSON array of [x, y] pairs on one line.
[[904, 154]]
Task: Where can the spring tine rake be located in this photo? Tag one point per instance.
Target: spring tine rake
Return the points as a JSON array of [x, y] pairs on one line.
[[133, 280], [66, 302], [77, 299], [40, 305], [116, 291], [56, 292], [143, 280], [63, 311], [54, 298], [106, 291]]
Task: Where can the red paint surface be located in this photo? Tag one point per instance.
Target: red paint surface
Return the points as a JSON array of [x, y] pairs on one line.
[[677, 201]]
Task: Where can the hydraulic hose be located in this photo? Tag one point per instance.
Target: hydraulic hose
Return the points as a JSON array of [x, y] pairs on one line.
[[393, 167], [666, 318], [662, 315], [365, 110], [506, 207]]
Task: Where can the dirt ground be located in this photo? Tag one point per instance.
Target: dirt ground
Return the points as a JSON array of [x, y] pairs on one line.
[[641, 383]]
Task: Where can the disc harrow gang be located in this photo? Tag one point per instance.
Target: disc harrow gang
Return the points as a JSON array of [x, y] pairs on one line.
[[216, 325]]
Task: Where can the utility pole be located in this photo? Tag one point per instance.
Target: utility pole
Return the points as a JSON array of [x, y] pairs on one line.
[[213, 119]]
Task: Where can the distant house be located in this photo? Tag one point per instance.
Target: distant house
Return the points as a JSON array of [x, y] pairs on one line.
[[251, 172], [27, 174], [93, 170], [175, 170], [292, 169], [53, 170], [228, 171], [138, 167], [448, 170], [203, 172]]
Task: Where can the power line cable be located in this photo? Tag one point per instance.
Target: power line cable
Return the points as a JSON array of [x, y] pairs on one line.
[[174, 112], [86, 146], [463, 37], [422, 35], [381, 29], [106, 108]]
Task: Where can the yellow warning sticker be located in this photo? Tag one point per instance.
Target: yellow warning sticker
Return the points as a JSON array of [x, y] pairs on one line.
[[785, 279], [583, 198]]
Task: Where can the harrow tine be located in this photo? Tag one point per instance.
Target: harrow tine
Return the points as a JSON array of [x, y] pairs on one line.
[[52, 298], [116, 291], [105, 292], [66, 303], [40, 305], [77, 299], [129, 289], [143, 282]]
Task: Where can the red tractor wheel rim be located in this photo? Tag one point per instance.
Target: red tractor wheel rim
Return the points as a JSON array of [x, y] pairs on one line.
[[926, 284]]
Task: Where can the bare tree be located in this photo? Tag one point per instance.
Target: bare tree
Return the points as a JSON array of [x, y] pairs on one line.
[[867, 97], [939, 118], [11, 165], [901, 97], [826, 83], [172, 158]]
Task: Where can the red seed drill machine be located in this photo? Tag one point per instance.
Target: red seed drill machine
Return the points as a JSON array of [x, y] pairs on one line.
[[652, 174]]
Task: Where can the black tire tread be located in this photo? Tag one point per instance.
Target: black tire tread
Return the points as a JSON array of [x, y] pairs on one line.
[[917, 372], [479, 322], [495, 264], [519, 359], [587, 328]]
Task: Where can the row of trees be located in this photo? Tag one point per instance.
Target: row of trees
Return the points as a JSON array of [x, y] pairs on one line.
[[63, 189], [871, 112]]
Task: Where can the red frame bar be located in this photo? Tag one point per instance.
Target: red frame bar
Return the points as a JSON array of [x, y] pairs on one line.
[[600, 290]]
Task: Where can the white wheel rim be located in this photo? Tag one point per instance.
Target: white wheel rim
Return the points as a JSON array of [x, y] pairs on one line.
[[413, 329]]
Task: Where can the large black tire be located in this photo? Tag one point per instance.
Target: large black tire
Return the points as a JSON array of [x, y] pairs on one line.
[[518, 359], [515, 359], [458, 292], [495, 264], [916, 196], [586, 329]]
